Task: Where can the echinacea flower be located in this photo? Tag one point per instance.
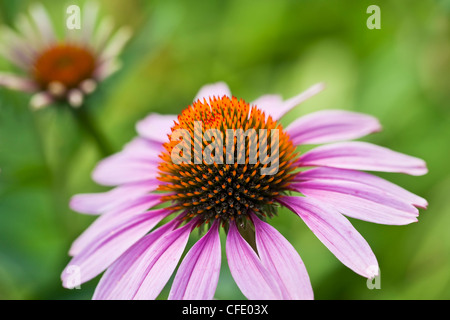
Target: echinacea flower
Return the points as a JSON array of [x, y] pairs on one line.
[[65, 69], [178, 194]]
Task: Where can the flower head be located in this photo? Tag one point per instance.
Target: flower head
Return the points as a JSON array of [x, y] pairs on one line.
[[60, 69], [231, 187], [225, 163]]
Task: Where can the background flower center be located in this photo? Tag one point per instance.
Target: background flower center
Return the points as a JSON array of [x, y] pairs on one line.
[[66, 64]]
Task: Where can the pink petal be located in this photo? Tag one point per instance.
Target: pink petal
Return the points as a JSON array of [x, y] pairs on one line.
[[43, 23], [102, 34], [269, 103], [110, 220], [336, 233], [97, 203], [90, 18], [124, 277], [75, 97], [359, 201], [252, 278], [281, 258], [363, 156], [16, 49], [22, 46], [323, 173], [331, 126], [41, 100], [14, 82], [198, 274], [218, 89], [116, 44], [114, 171], [156, 127], [162, 261], [30, 38], [111, 244], [138, 161], [274, 106], [143, 149], [104, 69]]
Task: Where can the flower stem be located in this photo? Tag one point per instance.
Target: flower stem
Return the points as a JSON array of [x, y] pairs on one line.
[[90, 127]]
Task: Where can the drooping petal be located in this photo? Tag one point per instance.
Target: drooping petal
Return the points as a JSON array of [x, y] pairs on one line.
[[14, 82], [162, 261], [97, 203], [274, 105], [88, 86], [324, 173], [330, 126], [102, 34], [111, 244], [90, 14], [137, 162], [8, 54], [124, 277], [156, 127], [363, 156], [111, 219], [218, 90], [106, 68], [41, 100], [281, 258], [114, 171], [269, 103], [43, 23], [15, 48], [359, 201], [116, 44], [336, 233], [198, 274], [75, 97], [28, 32], [143, 149], [252, 278]]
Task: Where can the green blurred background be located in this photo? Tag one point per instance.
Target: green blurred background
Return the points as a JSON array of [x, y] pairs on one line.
[[399, 73]]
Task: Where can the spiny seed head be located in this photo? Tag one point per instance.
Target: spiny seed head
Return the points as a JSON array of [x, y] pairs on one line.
[[224, 190]]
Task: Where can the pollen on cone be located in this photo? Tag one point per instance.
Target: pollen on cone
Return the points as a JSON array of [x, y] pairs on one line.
[[222, 190]]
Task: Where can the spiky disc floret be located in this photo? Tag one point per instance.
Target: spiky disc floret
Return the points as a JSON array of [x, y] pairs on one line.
[[236, 186]]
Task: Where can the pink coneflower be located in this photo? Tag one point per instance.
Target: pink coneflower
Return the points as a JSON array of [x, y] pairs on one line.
[[60, 69], [320, 186]]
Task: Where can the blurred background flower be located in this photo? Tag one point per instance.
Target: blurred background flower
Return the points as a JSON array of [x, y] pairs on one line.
[[61, 70], [398, 73]]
